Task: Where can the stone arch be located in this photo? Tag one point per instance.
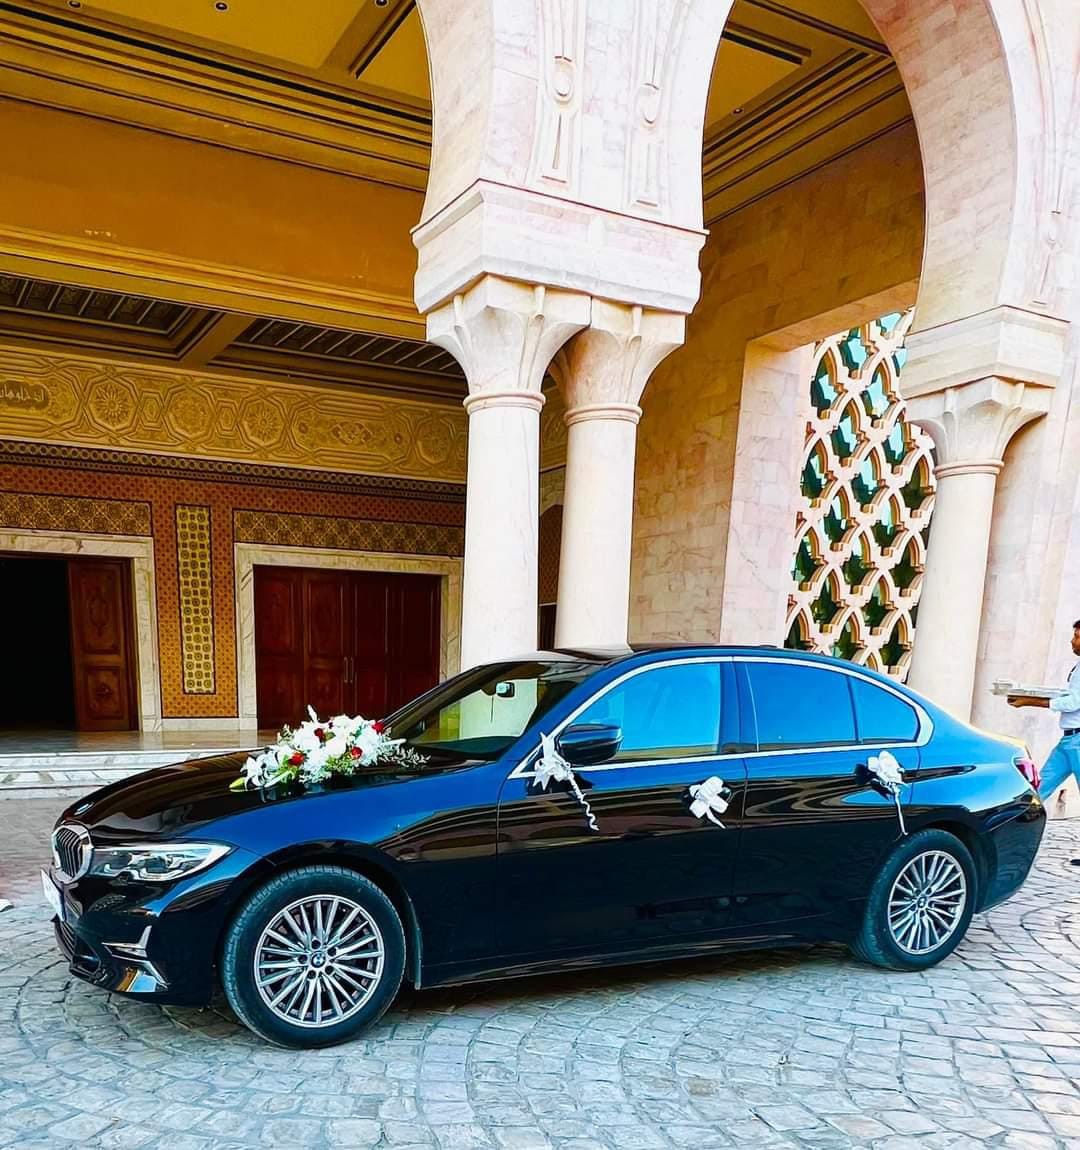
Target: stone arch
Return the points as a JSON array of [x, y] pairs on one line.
[[971, 77]]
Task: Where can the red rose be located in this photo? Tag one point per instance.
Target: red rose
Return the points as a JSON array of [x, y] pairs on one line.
[[378, 727], [296, 759], [320, 734], [356, 752]]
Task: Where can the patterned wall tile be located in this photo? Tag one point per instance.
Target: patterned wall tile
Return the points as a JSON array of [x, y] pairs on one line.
[[195, 581], [36, 512], [550, 543], [347, 534]]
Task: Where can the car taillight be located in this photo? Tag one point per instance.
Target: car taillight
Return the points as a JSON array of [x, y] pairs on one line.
[[1026, 766]]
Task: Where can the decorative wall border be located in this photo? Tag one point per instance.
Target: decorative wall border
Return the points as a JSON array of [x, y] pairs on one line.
[[336, 533], [246, 556], [35, 511], [162, 409], [101, 459], [141, 553]]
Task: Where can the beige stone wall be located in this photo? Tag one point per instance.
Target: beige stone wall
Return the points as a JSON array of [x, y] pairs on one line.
[[841, 245]]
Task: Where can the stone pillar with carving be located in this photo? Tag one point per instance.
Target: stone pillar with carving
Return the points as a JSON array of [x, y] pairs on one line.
[[972, 385], [603, 371], [504, 335], [566, 152]]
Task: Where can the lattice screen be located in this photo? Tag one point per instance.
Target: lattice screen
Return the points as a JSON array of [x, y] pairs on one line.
[[868, 491]]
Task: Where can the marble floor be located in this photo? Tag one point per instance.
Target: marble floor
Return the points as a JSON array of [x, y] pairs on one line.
[[21, 742]]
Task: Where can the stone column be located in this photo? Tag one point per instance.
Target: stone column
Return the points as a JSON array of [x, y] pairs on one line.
[[504, 335], [603, 371], [971, 427], [972, 384]]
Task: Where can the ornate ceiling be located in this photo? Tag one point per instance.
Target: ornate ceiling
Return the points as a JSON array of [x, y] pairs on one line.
[[344, 83], [44, 314]]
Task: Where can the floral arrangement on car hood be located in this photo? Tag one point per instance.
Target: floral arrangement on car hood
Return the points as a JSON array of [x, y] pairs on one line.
[[317, 749]]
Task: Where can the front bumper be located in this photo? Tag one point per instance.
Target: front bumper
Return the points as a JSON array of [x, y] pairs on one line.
[[147, 941]]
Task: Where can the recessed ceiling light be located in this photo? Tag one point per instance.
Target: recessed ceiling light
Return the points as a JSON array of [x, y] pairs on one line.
[[736, 111], [74, 3], [221, 6], [381, 3]]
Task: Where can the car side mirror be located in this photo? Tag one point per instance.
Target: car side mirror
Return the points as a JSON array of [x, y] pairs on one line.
[[587, 744]]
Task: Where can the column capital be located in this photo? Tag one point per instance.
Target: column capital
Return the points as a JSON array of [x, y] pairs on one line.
[[603, 369], [971, 425], [504, 334], [1005, 342]]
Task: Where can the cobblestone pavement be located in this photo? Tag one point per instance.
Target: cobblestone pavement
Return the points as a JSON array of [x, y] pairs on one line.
[[772, 1049]]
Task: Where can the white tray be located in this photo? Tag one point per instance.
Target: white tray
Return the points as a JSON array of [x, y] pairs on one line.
[[1009, 688]]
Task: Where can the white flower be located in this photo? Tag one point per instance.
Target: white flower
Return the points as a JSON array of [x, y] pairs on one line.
[[346, 725], [335, 746], [306, 740], [368, 740]]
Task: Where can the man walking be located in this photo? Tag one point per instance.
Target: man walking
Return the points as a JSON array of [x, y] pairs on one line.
[[1065, 757]]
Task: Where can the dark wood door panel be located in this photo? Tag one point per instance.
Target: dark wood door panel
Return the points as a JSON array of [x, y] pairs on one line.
[[371, 643], [415, 631], [279, 647], [328, 617], [102, 654], [278, 618]]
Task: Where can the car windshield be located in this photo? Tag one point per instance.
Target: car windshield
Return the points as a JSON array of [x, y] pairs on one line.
[[480, 713]]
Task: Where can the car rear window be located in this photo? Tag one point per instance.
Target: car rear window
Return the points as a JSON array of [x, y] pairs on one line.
[[881, 716], [797, 705]]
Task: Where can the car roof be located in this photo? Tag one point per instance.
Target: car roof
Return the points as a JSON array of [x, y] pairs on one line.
[[617, 654]]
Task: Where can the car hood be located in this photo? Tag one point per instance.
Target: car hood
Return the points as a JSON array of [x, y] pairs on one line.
[[176, 800]]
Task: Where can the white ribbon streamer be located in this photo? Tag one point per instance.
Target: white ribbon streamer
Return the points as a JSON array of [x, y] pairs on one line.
[[552, 767], [887, 773], [708, 800]]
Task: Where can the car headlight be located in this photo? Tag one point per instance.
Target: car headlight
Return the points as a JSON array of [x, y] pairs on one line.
[[156, 862]]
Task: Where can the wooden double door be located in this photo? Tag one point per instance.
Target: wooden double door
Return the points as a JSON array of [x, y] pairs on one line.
[[352, 642]]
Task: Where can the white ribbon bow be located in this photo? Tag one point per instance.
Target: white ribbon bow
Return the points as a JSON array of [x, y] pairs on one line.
[[708, 801], [552, 767], [887, 773]]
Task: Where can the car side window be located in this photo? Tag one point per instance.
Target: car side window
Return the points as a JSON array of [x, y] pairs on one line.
[[665, 712], [881, 716], [797, 705]]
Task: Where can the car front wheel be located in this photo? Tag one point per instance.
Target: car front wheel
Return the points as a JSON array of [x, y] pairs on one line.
[[313, 957], [920, 905]]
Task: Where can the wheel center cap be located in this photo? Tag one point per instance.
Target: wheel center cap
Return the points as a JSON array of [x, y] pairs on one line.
[[318, 959]]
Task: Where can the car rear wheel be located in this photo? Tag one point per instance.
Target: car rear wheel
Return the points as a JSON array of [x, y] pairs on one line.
[[920, 905], [314, 957]]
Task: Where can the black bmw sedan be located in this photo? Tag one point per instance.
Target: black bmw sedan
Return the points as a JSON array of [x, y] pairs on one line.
[[562, 810]]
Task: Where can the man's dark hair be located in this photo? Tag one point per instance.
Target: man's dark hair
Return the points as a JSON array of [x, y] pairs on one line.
[[1076, 625]]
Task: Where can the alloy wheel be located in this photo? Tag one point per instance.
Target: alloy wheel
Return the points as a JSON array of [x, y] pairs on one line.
[[319, 960], [927, 901]]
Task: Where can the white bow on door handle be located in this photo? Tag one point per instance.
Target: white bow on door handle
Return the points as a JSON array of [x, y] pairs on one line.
[[709, 800]]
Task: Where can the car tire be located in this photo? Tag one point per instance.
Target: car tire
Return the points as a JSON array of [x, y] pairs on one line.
[[314, 957], [921, 903]]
